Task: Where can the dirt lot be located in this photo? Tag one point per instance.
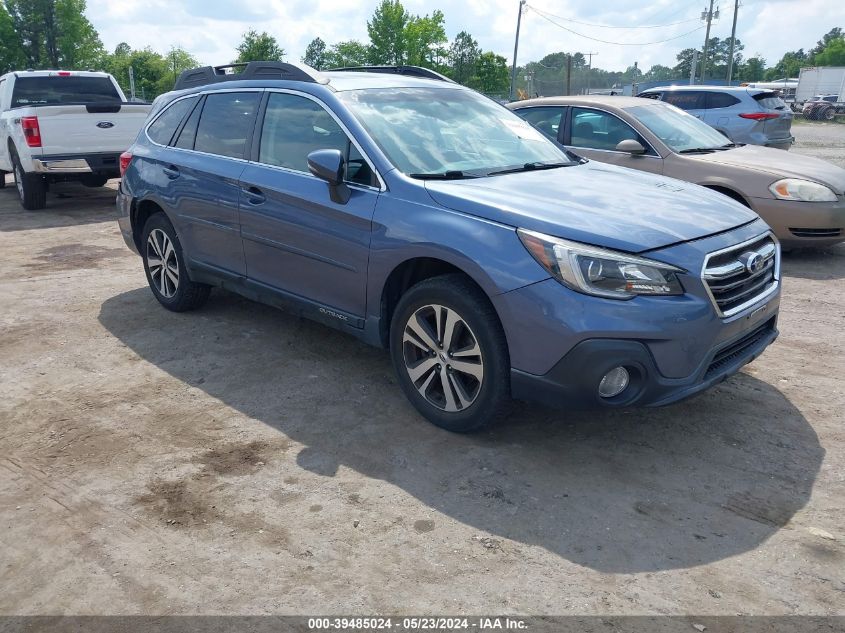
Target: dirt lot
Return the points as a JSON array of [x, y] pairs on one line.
[[239, 460]]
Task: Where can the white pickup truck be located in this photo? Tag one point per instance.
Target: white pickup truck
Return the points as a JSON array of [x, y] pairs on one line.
[[59, 125]]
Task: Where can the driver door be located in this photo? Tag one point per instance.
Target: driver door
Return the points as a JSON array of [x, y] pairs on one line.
[[594, 134]]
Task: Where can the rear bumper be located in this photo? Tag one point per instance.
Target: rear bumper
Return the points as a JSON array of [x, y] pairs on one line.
[[573, 381], [103, 164], [781, 143], [803, 223]]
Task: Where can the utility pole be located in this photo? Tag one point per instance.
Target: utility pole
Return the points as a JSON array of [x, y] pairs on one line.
[[733, 41], [707, 15], [589, 69], [516, 46], [131, 84], [693, 66], [568, 74]]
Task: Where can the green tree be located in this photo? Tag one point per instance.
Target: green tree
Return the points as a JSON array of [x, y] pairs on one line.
[[55, 33], [752, 69], [11, 48], [659, 73], [788, 66], [388, 43], [425, 39], [833, 53], [315, 54], [463, 56], [177, 60], [350, 53], [259, 47], [833, 34], [153, 73], [491, 75], [684, 65]]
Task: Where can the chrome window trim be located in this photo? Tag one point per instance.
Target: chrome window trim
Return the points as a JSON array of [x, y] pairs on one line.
[[754, 300], [382, 186]]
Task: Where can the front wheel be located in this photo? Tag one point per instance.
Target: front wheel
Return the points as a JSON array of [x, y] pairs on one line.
[[164, 265], [450, 354]]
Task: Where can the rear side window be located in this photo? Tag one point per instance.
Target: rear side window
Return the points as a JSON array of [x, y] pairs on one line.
[[163, 128], [770, 101], [716, 100], [189, 132], [58, 90], [685, 100], [226, 122], [547, 120]]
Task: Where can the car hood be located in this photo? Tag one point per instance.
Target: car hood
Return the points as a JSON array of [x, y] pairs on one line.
[[596, 204], [780, 164]]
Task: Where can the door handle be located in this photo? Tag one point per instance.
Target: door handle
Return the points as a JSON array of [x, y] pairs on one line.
[[254, 195], [171, 172]]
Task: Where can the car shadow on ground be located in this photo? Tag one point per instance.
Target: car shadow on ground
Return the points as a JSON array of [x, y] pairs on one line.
[[819, 264], [68, 204], [622, 491]]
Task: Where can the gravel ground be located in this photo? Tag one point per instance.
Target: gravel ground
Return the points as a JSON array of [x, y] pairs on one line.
[[240, 460]]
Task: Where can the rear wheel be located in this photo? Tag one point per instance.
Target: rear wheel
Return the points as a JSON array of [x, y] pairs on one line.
[[31, 187], [2, 179], [450, 354], [828, 114], [164, 265]]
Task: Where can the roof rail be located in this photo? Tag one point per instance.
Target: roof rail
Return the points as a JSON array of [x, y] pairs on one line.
[[252, 70], [411, 71]]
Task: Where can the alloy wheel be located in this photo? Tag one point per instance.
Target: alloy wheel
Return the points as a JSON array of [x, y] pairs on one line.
[[443, 358], [162, 263]]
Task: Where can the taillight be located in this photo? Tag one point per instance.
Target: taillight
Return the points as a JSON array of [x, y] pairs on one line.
[[64, 73], [31, 131], [759, 116], [125, 159]]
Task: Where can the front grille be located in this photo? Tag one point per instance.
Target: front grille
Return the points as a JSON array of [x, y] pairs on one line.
[[740, 275], [737, 349], [816, 232]]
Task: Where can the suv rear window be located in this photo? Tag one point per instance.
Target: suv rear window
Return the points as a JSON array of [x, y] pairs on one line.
[[770, 101], [685, 100], [226, 122], [56, 90], [720, 100]]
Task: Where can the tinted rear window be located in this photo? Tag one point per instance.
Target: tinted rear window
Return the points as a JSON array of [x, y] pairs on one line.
[[226, 122], [62, 90], [685, 100], [770, 101], [720, 100]]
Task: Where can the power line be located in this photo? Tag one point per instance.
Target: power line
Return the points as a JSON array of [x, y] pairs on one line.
[[596, 39], [612, 26]]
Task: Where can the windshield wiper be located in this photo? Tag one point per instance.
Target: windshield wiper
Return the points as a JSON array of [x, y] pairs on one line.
[[701, 150], [444, 175], [530, 167]]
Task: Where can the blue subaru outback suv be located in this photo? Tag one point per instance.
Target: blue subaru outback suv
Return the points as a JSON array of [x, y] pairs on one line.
[[421, 216]]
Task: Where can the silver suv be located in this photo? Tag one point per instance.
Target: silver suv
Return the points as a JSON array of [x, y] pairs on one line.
[[745, 115]]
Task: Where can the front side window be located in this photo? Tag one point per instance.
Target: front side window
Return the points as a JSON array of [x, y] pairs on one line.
[[594, 129], [163, 128], [295, 126], [685, 99], [449, 131], [545, 119], [226, 123]]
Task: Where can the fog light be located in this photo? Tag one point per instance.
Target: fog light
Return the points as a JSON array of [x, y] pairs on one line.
[[614, 382]]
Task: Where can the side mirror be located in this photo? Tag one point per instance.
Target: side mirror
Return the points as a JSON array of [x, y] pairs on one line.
[[329, 165], [630, 146]]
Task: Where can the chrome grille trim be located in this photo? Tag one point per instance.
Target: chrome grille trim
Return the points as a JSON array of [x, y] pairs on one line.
[[735, 275]]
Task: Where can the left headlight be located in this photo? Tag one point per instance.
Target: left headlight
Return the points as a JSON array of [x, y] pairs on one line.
[[801, 190], [601, 272]]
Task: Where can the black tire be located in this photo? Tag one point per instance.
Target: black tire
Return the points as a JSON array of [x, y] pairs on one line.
[[477, 321], [2, 179], [94, 180], [828, 114], [182, 295], [31, 187]]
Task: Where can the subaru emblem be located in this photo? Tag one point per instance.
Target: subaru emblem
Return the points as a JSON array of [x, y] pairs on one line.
[[752, 261], [105, 124]]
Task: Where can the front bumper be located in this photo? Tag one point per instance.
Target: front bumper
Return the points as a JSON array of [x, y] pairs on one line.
[[803, 223], [574, 380]]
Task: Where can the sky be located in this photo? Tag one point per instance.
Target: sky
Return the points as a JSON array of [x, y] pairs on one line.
[[211, 29]]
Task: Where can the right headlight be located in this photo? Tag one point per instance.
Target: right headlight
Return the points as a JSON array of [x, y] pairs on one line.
[[601, 272], [801, 190]]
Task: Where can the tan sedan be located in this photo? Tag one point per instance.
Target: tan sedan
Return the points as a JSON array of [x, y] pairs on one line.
[[801, 198]]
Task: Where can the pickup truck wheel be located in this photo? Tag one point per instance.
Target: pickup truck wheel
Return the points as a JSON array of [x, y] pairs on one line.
[[31, 187], [2, 179], [164, 265], [94, 181], [450, 354], [828, 114]]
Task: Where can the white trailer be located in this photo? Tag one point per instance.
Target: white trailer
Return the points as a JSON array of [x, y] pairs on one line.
[[819, 80]]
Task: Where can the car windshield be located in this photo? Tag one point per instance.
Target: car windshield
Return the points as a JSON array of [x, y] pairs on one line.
[[677, 129], [449, 131]]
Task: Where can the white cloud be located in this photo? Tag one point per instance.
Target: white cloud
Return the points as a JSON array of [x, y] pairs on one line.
[[212, 29]]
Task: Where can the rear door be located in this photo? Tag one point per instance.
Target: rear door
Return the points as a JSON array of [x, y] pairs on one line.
[[718, 111], [202, 170], [595, 134], [547, 119], [295, 238]]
